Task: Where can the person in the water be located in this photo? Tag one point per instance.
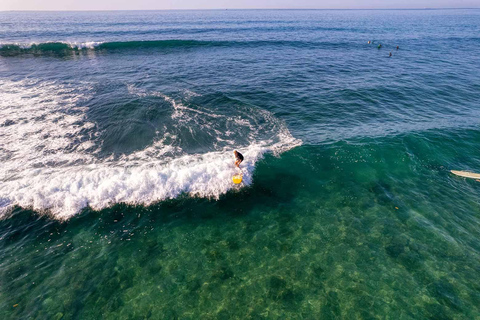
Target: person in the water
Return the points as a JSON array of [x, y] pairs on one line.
[[238, 158], [390, 55]]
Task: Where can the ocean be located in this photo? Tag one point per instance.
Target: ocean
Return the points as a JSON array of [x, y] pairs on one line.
[[117, 132]]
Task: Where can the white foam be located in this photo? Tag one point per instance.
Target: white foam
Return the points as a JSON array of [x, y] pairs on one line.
[[71, 44], [47, 171], [84, 45], [38, 123], [65, 191]]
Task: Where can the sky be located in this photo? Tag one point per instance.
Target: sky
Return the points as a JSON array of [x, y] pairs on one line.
[[231, 4]]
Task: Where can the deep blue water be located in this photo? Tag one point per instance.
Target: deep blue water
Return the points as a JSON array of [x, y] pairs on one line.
[[116, 138]]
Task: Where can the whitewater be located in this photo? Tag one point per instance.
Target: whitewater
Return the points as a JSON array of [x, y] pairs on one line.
[[52, 159]]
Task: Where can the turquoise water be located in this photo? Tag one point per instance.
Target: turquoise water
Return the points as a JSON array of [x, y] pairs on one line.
[[116, 139]]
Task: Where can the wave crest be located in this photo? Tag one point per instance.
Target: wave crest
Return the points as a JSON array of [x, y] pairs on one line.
[[68, 48]]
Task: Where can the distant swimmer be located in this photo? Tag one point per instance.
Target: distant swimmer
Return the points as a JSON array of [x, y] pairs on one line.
[[398, 48], [369, 41], [379, 46], [238, 158], [390, 55]]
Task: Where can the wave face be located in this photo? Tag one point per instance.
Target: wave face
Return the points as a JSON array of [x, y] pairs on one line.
[[13, 49], [64, 148], [70, 48]]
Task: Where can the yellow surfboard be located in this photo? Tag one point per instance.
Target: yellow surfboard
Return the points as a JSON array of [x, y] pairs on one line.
[[237, 178], [466, 174]]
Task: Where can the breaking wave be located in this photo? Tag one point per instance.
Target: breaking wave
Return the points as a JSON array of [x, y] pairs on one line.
[[55, 160], [66, 48]]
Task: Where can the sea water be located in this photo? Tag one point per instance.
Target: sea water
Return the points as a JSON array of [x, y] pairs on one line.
[[117, 132]]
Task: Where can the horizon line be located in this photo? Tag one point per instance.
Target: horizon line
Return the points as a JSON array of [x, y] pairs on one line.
[[239, 9]]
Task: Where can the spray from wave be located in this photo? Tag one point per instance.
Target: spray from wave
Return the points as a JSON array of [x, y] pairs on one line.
[[56, 158], [13, 49]]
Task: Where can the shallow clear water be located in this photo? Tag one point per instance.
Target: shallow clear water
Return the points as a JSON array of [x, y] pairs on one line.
[[116, 138]]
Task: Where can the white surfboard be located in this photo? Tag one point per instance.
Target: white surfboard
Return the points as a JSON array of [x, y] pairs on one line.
[[466, 174]]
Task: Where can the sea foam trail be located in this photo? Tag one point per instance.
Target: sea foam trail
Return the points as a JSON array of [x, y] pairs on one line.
[[50, 162]]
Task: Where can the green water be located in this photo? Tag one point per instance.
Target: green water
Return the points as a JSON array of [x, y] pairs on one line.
[[348, 209], [372, 229]]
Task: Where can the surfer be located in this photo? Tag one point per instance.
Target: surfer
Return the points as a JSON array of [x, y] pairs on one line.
[[398, 47], [390, 55], [238, 158]]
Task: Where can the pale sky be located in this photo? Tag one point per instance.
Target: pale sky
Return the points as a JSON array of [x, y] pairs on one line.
[[230, 4]]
